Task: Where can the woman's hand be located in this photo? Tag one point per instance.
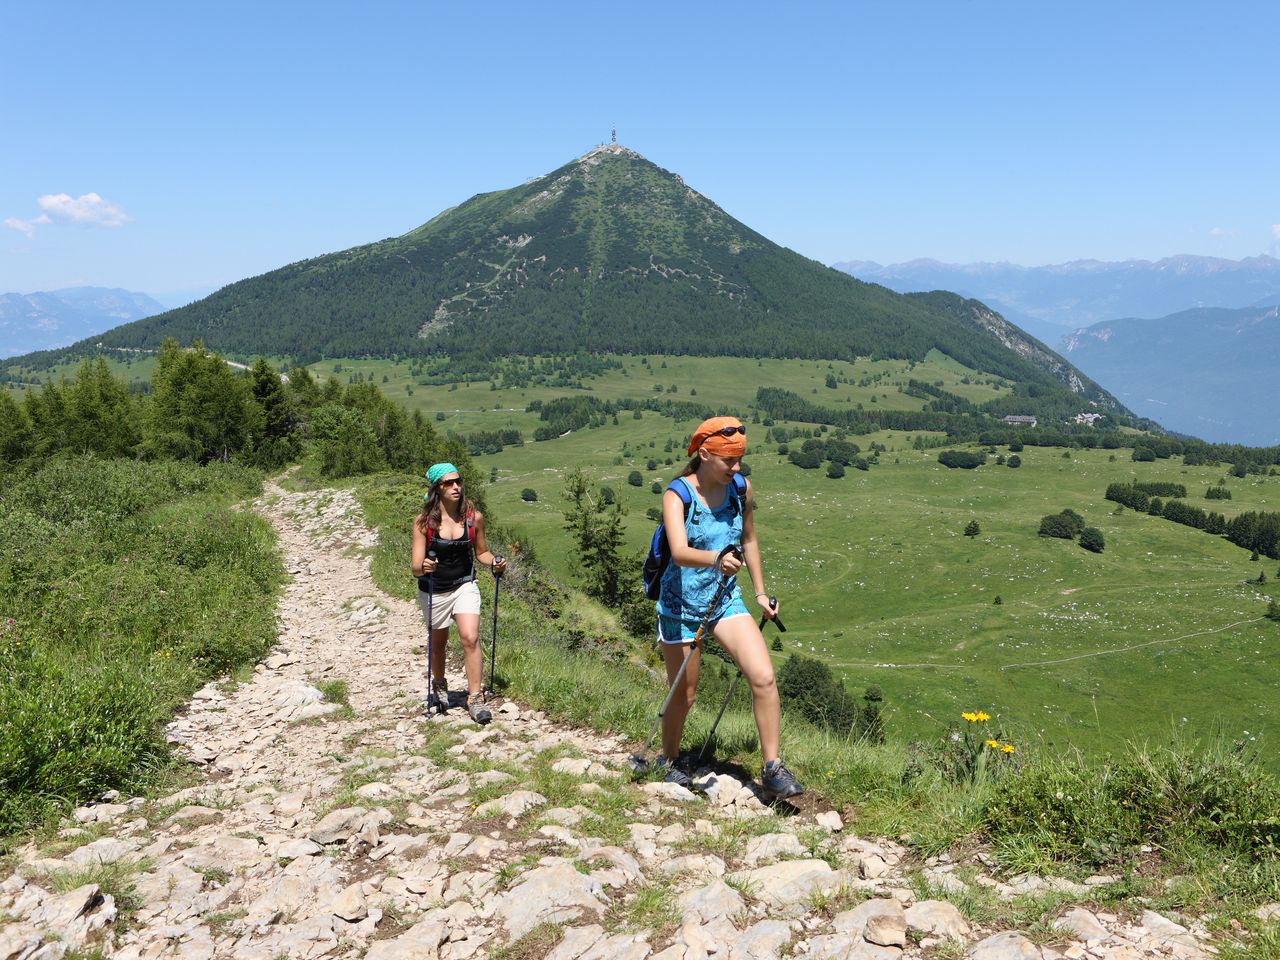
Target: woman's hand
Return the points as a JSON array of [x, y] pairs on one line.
[[429, 565], [499, 565], [769, 604], [729, 563]]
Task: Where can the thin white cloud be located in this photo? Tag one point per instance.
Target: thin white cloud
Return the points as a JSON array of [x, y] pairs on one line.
[[1217, 232], [1275, 230], [26, 226], [89, 209]]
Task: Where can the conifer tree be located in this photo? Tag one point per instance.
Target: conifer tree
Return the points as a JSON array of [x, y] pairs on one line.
[[15, 432]]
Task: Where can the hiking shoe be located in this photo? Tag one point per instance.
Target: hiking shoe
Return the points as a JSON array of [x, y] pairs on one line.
[[779, 781], [437, 696], [479, 712], [674, 772]]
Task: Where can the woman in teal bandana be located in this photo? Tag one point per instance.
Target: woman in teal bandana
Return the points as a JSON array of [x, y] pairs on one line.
[[453, 530]]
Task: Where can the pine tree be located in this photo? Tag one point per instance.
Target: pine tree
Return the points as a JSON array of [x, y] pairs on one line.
[[972, 529], [15, 431]]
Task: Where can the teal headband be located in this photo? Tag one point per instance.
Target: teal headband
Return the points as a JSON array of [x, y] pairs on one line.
[[438, 470]]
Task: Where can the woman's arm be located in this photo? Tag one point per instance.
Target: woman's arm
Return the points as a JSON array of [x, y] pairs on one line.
[[482, 548], [418, 563], [751, 548]]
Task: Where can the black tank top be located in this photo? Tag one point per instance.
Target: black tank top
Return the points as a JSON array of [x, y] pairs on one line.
[[454, 564]]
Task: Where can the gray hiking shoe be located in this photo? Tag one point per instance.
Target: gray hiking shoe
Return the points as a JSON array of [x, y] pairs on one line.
[[778, 781], [475, 706], [437, 695], [674, 772]]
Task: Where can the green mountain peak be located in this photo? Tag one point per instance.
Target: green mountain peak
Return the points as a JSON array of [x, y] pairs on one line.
[[607, 253]]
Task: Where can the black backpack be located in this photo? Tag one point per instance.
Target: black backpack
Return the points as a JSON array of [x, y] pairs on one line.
[[659, 557]]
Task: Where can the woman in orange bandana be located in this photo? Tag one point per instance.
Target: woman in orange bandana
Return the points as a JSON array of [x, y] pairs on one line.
[[719, 516]]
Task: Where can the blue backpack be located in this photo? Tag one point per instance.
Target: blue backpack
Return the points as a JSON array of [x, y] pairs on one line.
[[659, 557]]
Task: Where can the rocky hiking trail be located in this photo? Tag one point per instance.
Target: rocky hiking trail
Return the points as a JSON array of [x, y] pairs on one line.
[[323, 828]]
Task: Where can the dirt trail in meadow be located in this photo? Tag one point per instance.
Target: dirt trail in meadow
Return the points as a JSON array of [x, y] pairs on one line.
[[365, 830]]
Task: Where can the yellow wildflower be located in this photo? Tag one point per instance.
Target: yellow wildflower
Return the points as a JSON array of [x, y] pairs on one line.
[[993, 744], [983, 717], [971, 717], [1007, 748]]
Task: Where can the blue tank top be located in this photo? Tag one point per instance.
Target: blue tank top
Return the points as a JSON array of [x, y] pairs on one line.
[[686, 591]]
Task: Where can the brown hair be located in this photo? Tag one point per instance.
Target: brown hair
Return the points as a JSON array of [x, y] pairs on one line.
[[429, 517]]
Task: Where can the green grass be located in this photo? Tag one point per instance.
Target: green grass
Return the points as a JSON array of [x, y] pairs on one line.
[[878, 580], [124, 586]]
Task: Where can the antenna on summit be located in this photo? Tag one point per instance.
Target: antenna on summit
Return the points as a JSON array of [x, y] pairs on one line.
[[613, 138]]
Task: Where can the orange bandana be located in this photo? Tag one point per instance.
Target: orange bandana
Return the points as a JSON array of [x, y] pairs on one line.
[[723, 436]]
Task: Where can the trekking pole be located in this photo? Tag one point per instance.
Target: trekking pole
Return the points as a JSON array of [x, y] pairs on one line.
[[773, 603], [638, 761], [493, 648], [433, 699]]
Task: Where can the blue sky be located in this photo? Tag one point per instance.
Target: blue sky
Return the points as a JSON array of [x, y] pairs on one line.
[[173, 148]]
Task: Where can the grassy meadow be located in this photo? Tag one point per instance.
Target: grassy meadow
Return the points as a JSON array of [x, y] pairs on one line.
[[1157, 636]]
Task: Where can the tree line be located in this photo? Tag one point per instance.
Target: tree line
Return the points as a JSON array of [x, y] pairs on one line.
[[198, 408]]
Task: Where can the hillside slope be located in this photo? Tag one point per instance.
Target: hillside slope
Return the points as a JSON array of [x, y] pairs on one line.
[[1206, 372], [373, 832], [608, 253], [1054, 299]]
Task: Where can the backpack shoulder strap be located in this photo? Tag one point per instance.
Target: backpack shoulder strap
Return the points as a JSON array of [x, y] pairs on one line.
[[471, 525], [681, 487]]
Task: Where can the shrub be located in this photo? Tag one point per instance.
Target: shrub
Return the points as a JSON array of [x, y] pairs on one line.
[[835, 471], [807, 685], [1143, 455], [635, 478], [962, 459], [1015, 447], [806, 459], [1214, 795], [1066, 525], [1091, 539], [655, 487], [529, 495], [1014, 461], [1217, 493], [972, 529]]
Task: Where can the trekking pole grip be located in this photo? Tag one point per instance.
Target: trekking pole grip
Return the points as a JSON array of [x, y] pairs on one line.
[[497, 559], [734, 548]]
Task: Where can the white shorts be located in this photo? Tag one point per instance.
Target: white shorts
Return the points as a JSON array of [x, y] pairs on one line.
[[448, 604]]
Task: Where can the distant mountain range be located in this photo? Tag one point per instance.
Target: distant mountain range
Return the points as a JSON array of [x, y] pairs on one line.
[[1044, 300], [58, 318], [1207, 372], [608, 253]]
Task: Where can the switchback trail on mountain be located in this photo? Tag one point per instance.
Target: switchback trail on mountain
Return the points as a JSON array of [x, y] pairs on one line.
[[329, 818]]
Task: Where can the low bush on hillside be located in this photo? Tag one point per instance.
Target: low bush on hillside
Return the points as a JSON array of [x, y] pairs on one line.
[[1092, 540], [962, 459], [125, 586], [1192, 795], [1068, 524]]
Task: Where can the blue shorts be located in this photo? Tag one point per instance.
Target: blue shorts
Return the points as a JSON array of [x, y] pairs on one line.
[[674, 630]]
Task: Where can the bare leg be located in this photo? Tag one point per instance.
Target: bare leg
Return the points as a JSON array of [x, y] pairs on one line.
[[741, 639], [472, 656], [673, 655], [439, 644]]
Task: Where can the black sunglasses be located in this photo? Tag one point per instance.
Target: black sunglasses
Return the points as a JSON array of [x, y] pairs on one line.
[[451, 481], [730, 431]]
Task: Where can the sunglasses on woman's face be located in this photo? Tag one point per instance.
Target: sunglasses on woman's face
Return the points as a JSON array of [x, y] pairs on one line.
[[730, 431], [452, 481]]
